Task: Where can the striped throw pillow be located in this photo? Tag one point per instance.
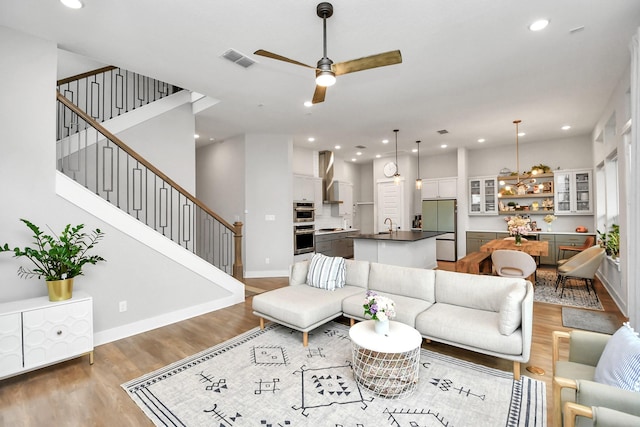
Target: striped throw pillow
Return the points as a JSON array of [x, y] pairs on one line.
[[326, 272], [619, 364]]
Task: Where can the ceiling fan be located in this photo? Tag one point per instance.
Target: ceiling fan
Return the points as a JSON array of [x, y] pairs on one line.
[[326, 70]]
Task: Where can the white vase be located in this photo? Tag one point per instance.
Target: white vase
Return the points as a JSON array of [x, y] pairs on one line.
[[382, 327]]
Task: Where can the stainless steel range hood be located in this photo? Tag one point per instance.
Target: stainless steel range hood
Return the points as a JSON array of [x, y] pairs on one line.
[[330, 187]]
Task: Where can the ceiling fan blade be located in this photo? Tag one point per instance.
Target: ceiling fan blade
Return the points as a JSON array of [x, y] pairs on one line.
[[318, 95], [373, 61], [271, 55]]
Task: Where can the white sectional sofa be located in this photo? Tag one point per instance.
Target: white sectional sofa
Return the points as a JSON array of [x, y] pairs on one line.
[[487, 314]]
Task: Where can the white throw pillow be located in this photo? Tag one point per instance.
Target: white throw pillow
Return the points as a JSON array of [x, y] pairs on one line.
[[326, 272], [619, 364], [511, 309]]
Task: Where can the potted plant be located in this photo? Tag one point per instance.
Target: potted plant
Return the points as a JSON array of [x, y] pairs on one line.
[[610, 241], [58, 258]]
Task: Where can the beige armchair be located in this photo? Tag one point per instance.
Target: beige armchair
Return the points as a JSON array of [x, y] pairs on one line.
[[581, 266], [573, 381], [597, 416]]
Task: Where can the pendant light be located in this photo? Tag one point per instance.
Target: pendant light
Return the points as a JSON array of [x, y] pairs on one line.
[[418, 179], [396, 176], [521, 187]]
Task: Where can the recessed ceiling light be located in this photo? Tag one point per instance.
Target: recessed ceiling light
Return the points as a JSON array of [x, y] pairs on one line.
[[337, 147], [538, 25], [353, 160], [196, 136], [443, 146], [72, 4], [311, 139], [481, 140], [415, 150], [385, 141], [308, 103], [521, 134], [566, 127], [378, 156], [212, 139]]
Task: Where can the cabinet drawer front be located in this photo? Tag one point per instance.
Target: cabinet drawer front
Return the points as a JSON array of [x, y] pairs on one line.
[[480, 235], [57, 332], [547, 237], [323, 246], [10, 343], [567, 240]]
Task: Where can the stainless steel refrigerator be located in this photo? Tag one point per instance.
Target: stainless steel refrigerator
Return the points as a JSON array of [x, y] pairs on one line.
[[441, 216]]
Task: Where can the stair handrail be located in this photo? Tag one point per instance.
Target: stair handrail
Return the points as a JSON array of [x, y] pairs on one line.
[[86, 74], [236, 227]]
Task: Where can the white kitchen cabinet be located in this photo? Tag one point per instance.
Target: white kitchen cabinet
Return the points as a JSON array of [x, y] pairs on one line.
[[573, 195], [37, 332], [345, 194], [483, 195], [308, 189], [441, 188]]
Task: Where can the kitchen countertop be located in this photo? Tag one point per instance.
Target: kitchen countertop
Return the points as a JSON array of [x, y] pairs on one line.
[[536, 232], [335, 230], [399, 236]]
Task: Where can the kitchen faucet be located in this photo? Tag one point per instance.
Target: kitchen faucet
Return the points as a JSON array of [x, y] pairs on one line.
[[390, 224]]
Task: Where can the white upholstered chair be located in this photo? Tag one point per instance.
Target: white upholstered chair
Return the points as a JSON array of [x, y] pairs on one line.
[[581, 266], [513, 263]]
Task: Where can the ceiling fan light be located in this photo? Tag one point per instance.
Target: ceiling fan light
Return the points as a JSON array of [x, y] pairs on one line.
[[325, 78]]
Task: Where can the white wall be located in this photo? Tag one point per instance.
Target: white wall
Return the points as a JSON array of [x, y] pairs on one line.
[[268, 191], [167, 142], [220, 178], [152, 284]]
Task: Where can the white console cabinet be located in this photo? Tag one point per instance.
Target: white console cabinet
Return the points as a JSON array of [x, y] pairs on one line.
[[37, 332]]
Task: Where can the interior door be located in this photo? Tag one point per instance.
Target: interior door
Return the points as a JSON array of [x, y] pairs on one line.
[[390, 205]]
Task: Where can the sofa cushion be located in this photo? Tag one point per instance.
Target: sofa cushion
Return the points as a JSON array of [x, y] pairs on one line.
[[326, 272], [469, 327], [298, 273], [405, 281], [511, 309], [357, 273], [407, 309], [302, 306], [472, 290], [619, 364]]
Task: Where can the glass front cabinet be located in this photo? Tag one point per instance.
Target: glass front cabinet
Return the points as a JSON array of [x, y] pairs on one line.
[[573, 195], [483, 196]]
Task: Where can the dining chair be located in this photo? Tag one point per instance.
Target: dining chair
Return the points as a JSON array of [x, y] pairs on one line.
[[509, 263], [581, 266], [588, 242]]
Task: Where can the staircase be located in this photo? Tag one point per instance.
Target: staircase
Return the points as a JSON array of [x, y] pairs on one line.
[[91, 155]]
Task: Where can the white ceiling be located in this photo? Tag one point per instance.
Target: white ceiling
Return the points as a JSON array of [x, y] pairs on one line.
[[469, 66]]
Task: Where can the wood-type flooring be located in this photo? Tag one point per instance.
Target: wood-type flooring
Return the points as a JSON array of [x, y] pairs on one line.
[[74, 393]]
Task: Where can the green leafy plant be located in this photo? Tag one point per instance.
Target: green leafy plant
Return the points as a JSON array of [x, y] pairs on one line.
[[610, 241], [58, 257]]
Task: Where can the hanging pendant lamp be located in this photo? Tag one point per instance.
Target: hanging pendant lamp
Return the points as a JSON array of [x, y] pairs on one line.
[[418, 179], [396, 176]]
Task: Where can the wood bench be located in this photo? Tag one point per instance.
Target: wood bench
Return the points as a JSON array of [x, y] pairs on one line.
[[475, 263]]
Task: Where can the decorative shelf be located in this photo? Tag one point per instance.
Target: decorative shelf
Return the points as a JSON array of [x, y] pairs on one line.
[[516, 178], [529, 212], [526, 196]]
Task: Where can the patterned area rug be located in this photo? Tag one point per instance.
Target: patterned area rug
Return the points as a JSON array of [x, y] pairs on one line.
[[575, 292], [267, 378]]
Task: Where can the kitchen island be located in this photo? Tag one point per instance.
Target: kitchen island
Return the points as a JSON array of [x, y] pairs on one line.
[[404, 248]]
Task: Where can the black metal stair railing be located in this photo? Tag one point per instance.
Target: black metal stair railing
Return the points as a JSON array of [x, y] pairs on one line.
[[92, 156], [109, 92]]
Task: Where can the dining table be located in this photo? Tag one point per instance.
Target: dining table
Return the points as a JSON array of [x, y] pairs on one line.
[[535, 248]]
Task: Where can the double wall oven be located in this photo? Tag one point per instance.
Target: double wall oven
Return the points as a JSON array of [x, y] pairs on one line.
[[303, 228]]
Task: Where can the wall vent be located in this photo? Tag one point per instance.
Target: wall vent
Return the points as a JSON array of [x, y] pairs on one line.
[[238, 58], [443, 132]]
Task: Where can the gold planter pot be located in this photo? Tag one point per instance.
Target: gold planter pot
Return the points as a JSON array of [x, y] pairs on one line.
[[60, 290]]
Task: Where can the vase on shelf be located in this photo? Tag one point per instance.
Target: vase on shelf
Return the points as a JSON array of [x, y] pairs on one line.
[[518, 239], [382, 327], [549, 229]]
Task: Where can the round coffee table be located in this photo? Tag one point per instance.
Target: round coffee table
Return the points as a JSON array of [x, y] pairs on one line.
[[386, 364]]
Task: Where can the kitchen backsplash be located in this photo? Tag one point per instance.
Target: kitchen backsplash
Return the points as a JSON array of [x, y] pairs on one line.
[[325, 220]]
